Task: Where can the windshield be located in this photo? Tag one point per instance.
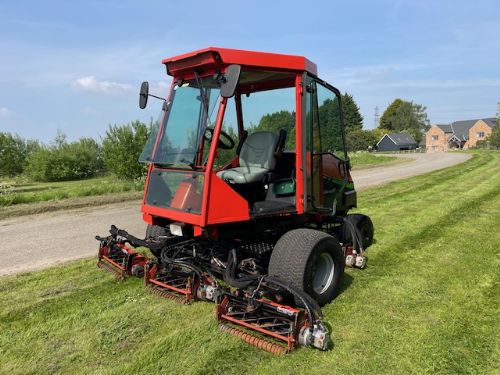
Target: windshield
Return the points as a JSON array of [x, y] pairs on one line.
[[187, 116]]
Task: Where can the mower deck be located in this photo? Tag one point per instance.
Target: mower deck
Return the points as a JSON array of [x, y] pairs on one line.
[[247, 313]]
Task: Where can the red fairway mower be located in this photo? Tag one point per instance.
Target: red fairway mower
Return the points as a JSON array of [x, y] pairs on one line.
[[247, 196]]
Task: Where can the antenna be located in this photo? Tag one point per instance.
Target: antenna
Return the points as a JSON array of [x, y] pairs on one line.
[[377, 117]]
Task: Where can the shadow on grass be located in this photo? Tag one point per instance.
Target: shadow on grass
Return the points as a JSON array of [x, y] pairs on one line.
[[345, 283]]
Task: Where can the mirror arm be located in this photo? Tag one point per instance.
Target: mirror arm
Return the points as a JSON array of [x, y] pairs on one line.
[[157, 97]]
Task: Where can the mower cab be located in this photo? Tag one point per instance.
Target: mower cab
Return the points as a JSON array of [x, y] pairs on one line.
[[248, 182], [245, 135]]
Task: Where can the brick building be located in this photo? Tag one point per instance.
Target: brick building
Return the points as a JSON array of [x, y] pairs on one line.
[[458, 135]]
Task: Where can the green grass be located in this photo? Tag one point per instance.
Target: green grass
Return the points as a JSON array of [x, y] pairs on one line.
[[428, 302], [362, 159], [13, 192]]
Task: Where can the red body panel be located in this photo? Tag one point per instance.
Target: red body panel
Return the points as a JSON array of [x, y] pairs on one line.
[[173, 215], [224, 204], [225, 56], [299, 170]]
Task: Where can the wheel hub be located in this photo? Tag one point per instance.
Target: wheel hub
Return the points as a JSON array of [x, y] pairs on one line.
[[324, 271]]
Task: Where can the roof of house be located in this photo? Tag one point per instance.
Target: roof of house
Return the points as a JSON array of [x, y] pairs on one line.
[[460, 129], [399, 139], [445, 127]]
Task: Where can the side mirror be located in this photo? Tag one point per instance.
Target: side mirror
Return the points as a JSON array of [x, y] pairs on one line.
[[143, 95], [230, 81]]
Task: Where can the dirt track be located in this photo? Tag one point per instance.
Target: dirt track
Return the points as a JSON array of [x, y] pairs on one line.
[[39, 241]]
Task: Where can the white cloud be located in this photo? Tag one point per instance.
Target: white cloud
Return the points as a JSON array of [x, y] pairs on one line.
[[90, 83], [4, 112]]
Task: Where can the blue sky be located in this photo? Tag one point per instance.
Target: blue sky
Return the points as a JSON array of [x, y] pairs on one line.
[[77, 66]]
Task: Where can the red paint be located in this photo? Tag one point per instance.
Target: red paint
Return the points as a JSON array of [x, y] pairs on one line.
[[224, 204], [224, 56], [299, 145]]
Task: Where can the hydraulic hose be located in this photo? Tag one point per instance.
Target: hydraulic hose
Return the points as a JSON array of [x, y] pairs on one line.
[[134, 241], [191, 266], [356, 235], [312, 307], [230, 273]]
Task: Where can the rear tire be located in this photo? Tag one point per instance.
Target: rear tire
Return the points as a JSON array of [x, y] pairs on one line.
[[310, 260], [365, 226]]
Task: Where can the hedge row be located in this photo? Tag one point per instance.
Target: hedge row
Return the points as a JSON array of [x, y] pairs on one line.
[[62, 160]]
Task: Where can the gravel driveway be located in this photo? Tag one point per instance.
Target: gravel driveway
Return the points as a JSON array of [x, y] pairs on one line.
[[39, 241]]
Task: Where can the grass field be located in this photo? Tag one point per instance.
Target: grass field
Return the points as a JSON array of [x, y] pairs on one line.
[[428, 302], [21, 197], [19, 191], [361, 160]]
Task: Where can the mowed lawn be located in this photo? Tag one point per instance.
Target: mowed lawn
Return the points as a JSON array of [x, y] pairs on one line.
[[363, 159], [428, 302]]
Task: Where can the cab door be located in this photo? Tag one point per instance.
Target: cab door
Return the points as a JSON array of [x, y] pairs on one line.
[[326, 159]]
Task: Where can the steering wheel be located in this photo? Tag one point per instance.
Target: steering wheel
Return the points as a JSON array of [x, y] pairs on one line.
[[227, 145]]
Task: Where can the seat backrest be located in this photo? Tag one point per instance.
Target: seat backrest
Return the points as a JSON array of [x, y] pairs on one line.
[[258, 150]]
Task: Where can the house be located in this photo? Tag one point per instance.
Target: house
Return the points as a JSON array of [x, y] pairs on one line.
[[458, 135], [396, 142]]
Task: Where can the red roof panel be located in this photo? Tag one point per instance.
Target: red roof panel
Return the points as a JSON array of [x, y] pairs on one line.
[[248, 58]]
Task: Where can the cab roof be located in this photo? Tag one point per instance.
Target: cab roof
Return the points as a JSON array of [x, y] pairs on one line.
[[213, 57]]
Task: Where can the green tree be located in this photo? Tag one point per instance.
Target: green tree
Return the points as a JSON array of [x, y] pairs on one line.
[[353, 120], [494, 138], [65, 161], [404, 116], [386, 120], [361, 140], [14, 152], [276, 121], [122, 146]]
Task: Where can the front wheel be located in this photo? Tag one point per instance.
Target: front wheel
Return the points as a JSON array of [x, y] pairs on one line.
[[363, 226], [311, 260]]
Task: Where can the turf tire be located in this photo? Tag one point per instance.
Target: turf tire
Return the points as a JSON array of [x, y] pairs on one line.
[[294, 258], [364, 225]]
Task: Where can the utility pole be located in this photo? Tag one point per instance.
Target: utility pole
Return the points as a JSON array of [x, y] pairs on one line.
[[498, 113], [377, 117]]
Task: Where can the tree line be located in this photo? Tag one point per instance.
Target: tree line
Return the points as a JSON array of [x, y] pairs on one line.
[[400, 116], [117, 152]]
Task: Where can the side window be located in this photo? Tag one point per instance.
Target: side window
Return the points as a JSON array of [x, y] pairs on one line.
[[230, 127], [329, 121], [271, 110], [326, 170]]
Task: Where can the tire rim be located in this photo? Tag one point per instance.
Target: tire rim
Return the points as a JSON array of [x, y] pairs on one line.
[[323, 275]]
